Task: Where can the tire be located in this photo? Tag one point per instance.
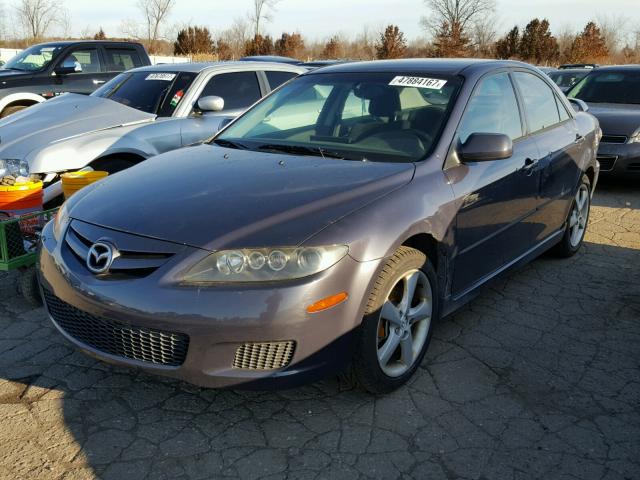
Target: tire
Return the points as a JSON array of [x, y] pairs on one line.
[[378, 335], [10, 110], [572, 239], [112, 165], [28, 286]]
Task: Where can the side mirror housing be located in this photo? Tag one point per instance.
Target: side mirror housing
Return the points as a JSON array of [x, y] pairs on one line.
[[484, 147], [211, 104], [67, 67], [579, 105]]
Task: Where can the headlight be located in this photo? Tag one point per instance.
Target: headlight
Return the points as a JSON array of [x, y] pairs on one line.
[[635, 138], [264, 264], [60, 222], [17, 168]]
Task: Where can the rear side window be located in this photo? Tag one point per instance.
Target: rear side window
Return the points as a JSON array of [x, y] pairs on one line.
[[492, 109], [238, 89], [121, 59], [540, 104], [278, 78]]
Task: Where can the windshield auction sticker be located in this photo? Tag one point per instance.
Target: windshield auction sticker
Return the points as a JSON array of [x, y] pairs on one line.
[[166, 77], [418, 82]]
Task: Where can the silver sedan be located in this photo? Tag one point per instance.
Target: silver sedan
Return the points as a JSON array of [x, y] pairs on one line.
[[138, 114]]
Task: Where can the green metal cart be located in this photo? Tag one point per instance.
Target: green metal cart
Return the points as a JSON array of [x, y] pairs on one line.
[[19, 242]]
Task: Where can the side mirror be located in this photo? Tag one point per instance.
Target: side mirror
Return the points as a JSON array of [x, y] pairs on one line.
[[211, 104], [483, 147], [579, 105], [68, 66]]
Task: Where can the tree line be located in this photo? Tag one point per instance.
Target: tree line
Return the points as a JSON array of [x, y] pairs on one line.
[[453, 28]]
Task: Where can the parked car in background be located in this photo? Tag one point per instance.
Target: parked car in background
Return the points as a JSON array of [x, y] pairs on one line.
[[547, 70], [613, 97], [571, 66], [271, 59], [294, 245], [1, 63], [47, 70], [568, 77], [138, 114]]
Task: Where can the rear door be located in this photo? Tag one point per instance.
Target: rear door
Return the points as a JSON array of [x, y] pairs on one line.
[[493, 225], [556, 135]]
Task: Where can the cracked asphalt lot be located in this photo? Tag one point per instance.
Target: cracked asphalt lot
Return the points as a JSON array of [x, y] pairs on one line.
[[539, 377]]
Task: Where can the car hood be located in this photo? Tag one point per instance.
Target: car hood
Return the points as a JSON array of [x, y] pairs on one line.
[[616, 119], [61, 118], [214, 198]]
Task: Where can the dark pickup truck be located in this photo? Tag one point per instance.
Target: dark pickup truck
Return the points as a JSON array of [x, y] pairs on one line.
[[50, 69]]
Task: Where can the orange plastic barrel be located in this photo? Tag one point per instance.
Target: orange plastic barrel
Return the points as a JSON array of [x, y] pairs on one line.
[[74, 181], [21, 198]]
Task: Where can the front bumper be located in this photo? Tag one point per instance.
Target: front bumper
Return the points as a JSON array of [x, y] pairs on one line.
[[217, 320], [619, 159]]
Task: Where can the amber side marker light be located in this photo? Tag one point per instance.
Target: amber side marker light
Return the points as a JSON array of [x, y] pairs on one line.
[[327, 302]]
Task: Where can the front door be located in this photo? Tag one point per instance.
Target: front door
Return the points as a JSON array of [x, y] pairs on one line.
[[499, 198], [90, 72]]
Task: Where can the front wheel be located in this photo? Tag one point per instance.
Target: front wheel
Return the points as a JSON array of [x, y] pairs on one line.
[[396, 329], [576, 225]]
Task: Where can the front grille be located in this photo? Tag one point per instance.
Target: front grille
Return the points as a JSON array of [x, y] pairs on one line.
[[613, 139], [606, 162], [264, 356], [137, 343]]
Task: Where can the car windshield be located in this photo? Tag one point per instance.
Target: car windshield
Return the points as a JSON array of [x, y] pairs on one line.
[[151, 92], [566, 79], [375, 116], [609, 87], [34, 58]]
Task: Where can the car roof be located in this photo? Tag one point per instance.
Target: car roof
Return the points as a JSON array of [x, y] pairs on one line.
[[198, 67], [442, 66], [270, 58], [75, 42], [617, 68]]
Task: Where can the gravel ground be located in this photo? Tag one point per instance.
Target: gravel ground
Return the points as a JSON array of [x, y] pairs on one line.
[[539, 377]]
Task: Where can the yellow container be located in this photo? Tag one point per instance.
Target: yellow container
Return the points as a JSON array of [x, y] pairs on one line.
[[74, 181]]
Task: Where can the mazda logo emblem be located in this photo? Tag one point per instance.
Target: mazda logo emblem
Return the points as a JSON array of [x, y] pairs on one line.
[[100, 257]]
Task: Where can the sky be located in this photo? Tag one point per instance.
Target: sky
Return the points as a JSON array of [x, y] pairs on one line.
[[318, 20]]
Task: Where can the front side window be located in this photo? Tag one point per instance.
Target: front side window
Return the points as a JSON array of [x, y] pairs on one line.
[[34, 58], [493, 108], [276, 78], [151, 92], [87, 59], [237, 89], [121, 59], [608, 87], [374, 116], [540, 104]]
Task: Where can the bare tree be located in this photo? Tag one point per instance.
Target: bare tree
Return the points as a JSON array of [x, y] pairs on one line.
[[261, 12], [38, 16], [483, 36], [459, 15], [236, 37], [613, 29], [155, 14]]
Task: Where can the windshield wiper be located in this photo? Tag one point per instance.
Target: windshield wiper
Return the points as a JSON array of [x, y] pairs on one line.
[[301, 150], [230, 144]]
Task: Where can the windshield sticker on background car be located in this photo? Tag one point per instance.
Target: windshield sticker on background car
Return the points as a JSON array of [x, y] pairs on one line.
[[418, 82], [166, 77], [176, 98]]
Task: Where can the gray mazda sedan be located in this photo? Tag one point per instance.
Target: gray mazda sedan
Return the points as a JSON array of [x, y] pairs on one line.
[[328, 227]]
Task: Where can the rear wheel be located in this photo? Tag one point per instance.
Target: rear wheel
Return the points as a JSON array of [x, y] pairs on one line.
[[112, 165], [577, 221], [396, 329], [9, 110]]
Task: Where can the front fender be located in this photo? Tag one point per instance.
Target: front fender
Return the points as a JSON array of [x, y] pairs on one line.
[[78, 152]]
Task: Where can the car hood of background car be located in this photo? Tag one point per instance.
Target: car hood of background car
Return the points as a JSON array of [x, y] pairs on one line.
[[616, 119], [197, 197], [61, 118]]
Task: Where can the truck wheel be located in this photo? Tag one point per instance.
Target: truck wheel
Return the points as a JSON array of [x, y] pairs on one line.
[[9, 110]]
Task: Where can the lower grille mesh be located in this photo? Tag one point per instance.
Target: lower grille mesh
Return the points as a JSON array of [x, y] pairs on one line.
[[264, 356], [137, 343]]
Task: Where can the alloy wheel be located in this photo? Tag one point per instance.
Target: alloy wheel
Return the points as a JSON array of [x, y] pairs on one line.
[[579, 216], [404, 323]]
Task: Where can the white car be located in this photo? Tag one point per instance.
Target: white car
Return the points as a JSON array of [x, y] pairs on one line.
[[138, 114]]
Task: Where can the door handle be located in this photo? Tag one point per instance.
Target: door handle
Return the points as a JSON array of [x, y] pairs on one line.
[[579, 138], [98, 82], [529, 165]]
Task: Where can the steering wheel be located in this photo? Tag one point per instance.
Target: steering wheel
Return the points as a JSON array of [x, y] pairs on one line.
[[425, 139]]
